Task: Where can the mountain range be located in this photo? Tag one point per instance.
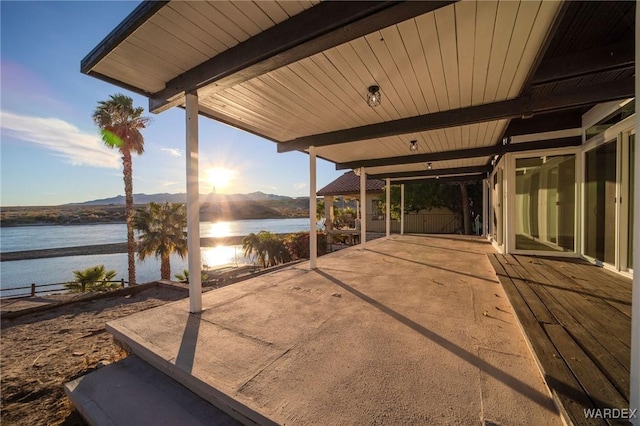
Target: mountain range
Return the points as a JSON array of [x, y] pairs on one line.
[[182, 198]]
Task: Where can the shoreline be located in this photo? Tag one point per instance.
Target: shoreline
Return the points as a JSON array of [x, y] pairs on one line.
[[112, 248]]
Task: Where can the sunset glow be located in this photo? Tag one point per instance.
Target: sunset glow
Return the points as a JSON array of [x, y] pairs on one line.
[[219, 178]]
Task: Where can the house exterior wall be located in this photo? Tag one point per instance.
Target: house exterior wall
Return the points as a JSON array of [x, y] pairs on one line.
[[573, 202]]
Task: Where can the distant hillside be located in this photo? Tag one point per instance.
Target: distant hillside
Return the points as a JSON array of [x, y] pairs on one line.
[[182, 198]]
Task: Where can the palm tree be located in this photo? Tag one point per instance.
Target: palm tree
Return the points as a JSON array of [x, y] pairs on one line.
[[161, 228], [120, 126], [95, 278], [267, 247]]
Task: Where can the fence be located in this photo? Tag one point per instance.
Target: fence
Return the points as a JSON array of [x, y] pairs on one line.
[[414, 223], [33, 289]]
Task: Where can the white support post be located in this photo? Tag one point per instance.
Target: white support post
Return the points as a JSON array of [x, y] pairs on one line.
[[388, 207], [634, 398], [402, 209], [363, 208], [193, 205], [485, 206], [313, 233]]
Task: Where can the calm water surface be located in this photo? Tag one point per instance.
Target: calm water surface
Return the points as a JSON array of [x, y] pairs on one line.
[[60, 269]]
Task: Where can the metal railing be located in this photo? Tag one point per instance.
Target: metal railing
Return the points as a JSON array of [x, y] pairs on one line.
[[35, 289]]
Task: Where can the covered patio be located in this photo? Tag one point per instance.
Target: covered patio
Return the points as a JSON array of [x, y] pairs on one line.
[[534, 98], [419, 337]]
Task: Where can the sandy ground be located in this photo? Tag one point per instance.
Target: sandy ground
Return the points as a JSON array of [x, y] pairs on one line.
[[40, 352]]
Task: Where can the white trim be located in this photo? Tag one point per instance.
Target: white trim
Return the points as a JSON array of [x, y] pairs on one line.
[[313, 209], [402, 209], [363, 208], [193, 204], [601, 111], [557, 134], [634, 398], [388, 208]]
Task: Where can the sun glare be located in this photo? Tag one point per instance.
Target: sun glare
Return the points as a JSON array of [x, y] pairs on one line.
[[219, 177]]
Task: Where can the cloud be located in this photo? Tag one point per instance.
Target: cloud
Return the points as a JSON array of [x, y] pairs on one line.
[[172, 151], [300, 185], [60, 137], [170, 183]]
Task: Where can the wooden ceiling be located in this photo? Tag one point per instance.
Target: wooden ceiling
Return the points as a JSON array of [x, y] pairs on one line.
[[454, 76]]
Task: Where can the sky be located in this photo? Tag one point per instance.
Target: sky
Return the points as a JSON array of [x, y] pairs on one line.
[[50, 149]]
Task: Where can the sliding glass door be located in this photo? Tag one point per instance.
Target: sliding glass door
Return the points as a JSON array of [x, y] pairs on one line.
[[545, 201], [600, 202]]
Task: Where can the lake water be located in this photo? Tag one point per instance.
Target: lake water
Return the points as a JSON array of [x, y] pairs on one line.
[[21, 273]]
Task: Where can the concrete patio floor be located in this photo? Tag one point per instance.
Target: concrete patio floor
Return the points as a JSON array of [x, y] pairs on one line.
[[413, 330]]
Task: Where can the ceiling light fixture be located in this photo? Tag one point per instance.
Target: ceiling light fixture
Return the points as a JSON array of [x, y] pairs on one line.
[[429, 166], [413, 145], [374, 97]]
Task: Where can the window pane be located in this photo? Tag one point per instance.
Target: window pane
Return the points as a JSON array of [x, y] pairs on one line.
[[545, 203]]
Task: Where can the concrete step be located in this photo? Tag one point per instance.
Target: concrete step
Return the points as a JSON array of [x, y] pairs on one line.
[[131, 392]]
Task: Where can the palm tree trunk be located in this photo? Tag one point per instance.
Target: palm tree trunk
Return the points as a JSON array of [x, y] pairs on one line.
[[128, 194], [165, 267]]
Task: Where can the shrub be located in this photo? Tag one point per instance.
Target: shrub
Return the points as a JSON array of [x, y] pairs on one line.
[[298, 244]]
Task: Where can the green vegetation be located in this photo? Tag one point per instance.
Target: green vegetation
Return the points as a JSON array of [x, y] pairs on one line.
[[161, 233], [95, 278], [184, 276], [465, 199], [298, 244], [120, 125], [267, 247]]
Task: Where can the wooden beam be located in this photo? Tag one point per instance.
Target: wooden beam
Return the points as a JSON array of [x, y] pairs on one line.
[[463, 153], [433, 172], [448, 179], [522, 106], [317, 29], [571, 119], [618, 56]]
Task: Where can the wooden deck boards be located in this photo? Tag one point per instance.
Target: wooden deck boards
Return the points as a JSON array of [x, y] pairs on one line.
[[577, 320]]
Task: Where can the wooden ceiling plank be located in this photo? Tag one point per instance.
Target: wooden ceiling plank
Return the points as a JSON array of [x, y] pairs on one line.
[[228, 25], [463, 153], [524, 22], [273, 10], [431, 47], [327, 90], [180, 14], [257, 15], [167, 19], [537, 39], [465, 30], [110, 66], [485, 21], [411, 38], [131, 54], [399, 52], [365, 68], [389, 76], [235, 12], [216, 36], [293, 7], [170, 43], [315, 102], [446, 23], [298, 37], [504, 29]]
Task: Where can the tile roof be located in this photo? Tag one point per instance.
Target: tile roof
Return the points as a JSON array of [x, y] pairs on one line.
[[349, 184]]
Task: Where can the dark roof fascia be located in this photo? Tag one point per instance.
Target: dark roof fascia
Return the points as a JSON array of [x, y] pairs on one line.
[[484, 151], [132, 22], [433, 172], [448, 179]]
